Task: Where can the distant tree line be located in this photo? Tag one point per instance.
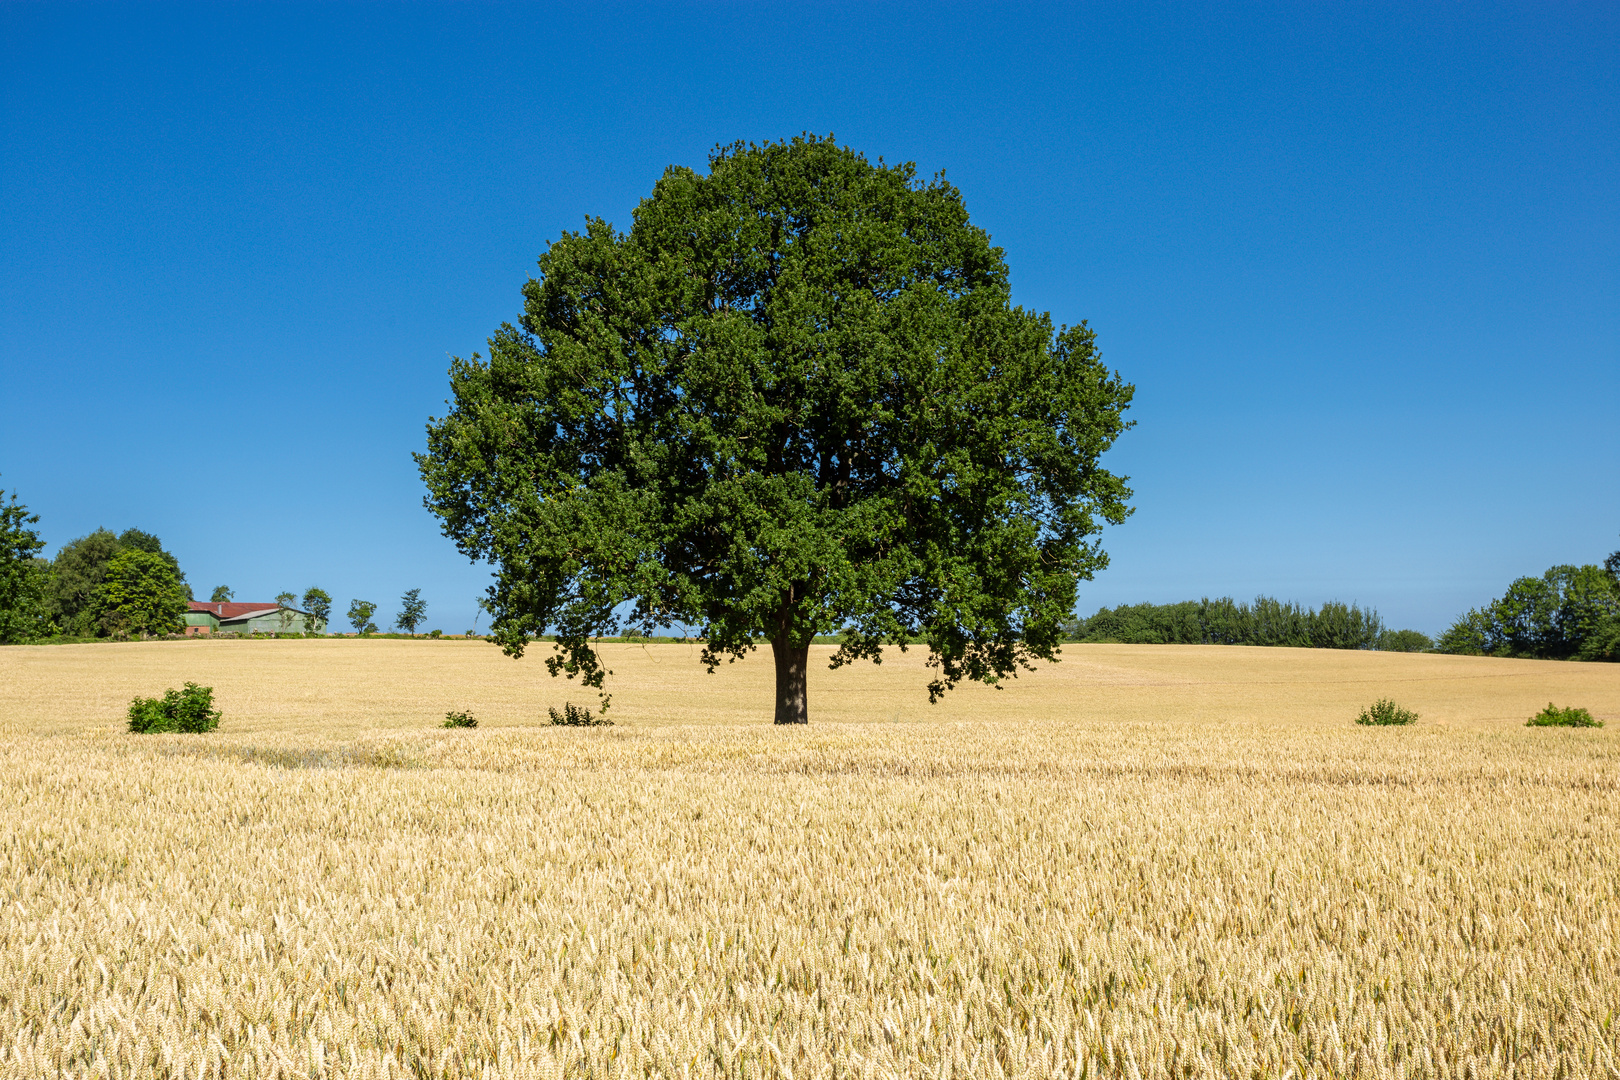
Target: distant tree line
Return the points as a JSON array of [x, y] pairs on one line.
[[1568, 613], [118, 585], [102, 585], [1225, 621]]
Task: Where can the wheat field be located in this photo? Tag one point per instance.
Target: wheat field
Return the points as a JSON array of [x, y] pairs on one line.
[[1141, 862]]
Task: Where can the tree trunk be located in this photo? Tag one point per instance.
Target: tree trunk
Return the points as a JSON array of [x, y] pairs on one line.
[[792, 661]]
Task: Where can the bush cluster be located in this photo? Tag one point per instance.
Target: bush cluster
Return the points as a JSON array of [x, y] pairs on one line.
[[189, 710], [577, 716], [1385, 712], [1569, 716], [459, 719]]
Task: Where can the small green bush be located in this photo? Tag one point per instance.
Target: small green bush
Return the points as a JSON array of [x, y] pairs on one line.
[[189, 710], [577, 716], [436, 634], [1570, 716], [459, 719], [1384, 711]]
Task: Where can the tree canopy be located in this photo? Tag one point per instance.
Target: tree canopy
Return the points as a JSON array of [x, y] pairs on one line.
[[23, 581], [794, 399], [360, 613], [1568, 613], [318, 603], [412, 610], [80, 568], [1224, 621], [140, 594]]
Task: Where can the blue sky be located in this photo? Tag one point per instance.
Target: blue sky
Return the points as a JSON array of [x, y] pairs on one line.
[[1362, 263]]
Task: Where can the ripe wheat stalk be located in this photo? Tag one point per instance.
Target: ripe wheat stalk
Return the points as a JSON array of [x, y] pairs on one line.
[[1052, 898]]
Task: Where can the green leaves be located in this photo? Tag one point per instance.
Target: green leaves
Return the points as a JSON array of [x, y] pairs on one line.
[[793, 399], [141, 594], [318, 603], [1566, 716], [1385, 713], [359, 616], [1569, 613], [23, 577], [412, 610], [189, 710]]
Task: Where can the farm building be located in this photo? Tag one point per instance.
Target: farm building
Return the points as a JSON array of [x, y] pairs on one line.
[[206, 617]]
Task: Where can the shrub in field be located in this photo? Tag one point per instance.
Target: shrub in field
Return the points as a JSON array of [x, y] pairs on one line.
[[190, 710], [1384, 711], [459, 719], [1569, 716], [577, 716]]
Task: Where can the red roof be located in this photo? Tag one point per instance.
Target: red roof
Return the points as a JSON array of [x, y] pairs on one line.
[[231, 611]]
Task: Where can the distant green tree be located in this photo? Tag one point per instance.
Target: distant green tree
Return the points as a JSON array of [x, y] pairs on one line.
[[76, 573], [1140, 624], [1404, 641], [140, 540], [1225, 621], [319, 606], [141, 594], [220, 595], [1568, 613], [1470, 635], [412, 610], [286, 617], [79, 569], [360, 613], [24, 611]]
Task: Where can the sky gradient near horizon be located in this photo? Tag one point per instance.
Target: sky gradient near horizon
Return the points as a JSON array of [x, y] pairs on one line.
[[1361, 263]]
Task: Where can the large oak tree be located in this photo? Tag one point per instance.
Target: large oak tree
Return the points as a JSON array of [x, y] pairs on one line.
[[794, 399]]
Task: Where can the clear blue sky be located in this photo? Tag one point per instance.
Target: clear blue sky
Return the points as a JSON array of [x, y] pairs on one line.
[[1362, 263]]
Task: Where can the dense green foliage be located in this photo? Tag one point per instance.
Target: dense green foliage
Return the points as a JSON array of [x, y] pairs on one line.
[[1385, 712], [220, 595], [794, 399], [412, 610], [1404, 641], [459, 720], [79, 570], [24, 610], [1569, 613], [1568, 716], [140, 594], [188, 710], [360, 613], [1227, 622]]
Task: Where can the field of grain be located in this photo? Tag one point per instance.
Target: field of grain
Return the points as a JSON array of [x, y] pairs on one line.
[[1172, 861]]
